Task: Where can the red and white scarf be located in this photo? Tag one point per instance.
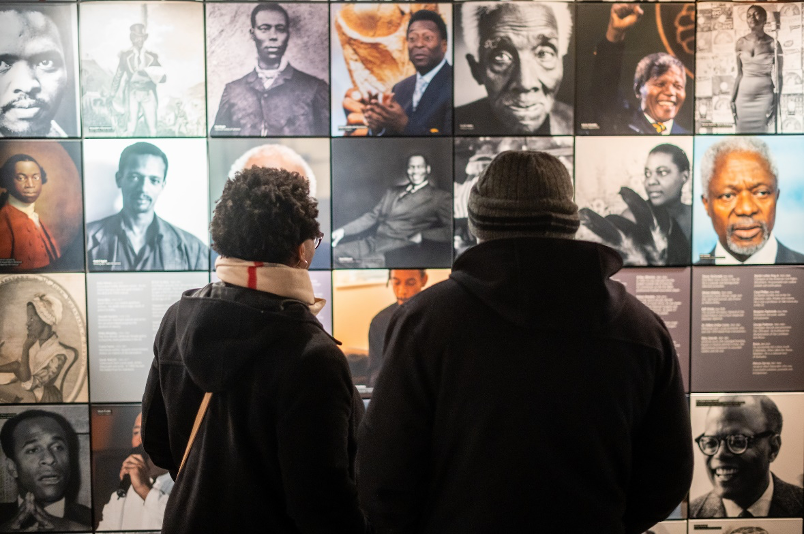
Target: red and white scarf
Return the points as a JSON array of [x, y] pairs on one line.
[[277, 279]]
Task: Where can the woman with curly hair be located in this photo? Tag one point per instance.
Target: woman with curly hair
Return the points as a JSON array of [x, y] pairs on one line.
[[274, 451]]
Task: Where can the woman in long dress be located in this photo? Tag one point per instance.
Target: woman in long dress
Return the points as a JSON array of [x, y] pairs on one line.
[[754, 99]]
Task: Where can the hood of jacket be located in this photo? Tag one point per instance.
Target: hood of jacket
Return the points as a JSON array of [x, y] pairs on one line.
[[221, 328], [555, 283]]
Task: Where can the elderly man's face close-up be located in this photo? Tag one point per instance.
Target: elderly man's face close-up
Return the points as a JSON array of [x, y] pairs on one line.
[[741, 202], [663, 179], [41, 462], [26, 184], [141, 182], [662, 96], [741, 478], [32, 73], [520, 64]]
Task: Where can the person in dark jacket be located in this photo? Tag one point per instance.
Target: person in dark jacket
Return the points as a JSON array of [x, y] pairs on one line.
[[528, 392], [275, 451]]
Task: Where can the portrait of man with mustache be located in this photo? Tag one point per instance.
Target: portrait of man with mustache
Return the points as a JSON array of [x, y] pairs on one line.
[[135, 238], [740, 190], [34, 73]]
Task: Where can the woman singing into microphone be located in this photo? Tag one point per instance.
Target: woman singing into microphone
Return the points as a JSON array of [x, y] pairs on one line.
[[754, 98]]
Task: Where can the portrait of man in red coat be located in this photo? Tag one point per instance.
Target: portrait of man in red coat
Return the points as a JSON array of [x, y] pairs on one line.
[[25, 242]]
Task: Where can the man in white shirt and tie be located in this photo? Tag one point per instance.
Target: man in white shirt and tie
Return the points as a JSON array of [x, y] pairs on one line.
[[420, 104]]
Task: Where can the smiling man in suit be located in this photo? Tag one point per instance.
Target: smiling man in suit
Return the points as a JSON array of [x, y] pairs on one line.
[[420, 104], [741, 438]]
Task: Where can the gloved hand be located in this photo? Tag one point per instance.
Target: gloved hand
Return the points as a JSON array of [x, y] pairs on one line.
[[643, 243]]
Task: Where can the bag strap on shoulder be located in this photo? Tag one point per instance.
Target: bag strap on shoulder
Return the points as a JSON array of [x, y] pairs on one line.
[[202, 410]]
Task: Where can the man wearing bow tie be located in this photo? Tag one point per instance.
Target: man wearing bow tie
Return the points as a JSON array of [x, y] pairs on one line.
[[420, 104], [274, 99], [414, 214]]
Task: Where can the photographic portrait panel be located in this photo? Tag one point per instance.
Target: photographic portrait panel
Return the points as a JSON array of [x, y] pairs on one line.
[[116, 439], [374, 72], [635, 195], [747, 316], [271, 79], [41, 98], [363, 302], [41, 207], [61, 427], [724, 482], [308, 157], [392, 203], [749, 61], [507, 85], [768, 228], [142, 69], [166, 208], [125, 311], [473, 155], [43, 321], [635, 69]]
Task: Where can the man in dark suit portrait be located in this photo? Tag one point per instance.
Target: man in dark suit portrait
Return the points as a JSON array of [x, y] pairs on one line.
[[414, 217], [739, 185], [420, 104], [135, 238], [138, 72], [741, 438], [405, 283], [274, 99], [660, 82], [41, 450], [516, 52]]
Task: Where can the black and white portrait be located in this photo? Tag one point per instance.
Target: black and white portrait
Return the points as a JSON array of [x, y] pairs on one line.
[[142, 69], [146, 205], [635, 195], [514, 68], [749, 57], [635, 68], [267, 69], [473, 155], [45, 474], [43, 339], [392, 203], [308, 157], [130, 492], [41, 206], [38, 71], [749, 455]]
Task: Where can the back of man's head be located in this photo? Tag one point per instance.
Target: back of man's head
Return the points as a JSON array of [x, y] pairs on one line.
[[523, 194]]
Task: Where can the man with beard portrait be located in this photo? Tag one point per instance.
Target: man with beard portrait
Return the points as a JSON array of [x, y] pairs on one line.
[[740, 189]]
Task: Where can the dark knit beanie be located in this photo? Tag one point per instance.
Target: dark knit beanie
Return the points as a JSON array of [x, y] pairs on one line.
[[523, 194]]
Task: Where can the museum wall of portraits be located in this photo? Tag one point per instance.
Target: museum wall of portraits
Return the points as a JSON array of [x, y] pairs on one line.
[[682, 125]]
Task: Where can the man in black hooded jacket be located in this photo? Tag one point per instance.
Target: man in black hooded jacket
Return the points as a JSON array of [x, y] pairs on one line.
[[528, 392]]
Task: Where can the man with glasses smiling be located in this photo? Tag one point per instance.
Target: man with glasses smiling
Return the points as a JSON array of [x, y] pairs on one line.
[[741, 438], [136, 239]]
